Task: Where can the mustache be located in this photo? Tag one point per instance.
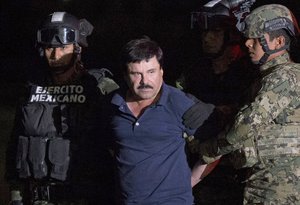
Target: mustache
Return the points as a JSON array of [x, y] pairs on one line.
[[56, 63], [145, 86]]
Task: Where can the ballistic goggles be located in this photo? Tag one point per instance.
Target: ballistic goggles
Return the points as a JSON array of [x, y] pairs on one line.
[[57, 36]]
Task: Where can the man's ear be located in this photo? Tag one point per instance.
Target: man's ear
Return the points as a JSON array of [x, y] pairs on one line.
[[162, 70], [280, 42]]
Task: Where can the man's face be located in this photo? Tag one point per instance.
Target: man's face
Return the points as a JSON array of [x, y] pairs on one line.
[[59, 56], [212, 40], [144, 79], [221, 64], [255, 49]]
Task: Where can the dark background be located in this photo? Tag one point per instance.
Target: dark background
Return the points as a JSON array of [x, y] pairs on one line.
[[115, 22]]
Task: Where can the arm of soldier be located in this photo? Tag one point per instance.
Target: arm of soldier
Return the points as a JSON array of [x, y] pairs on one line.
[[213, 149], [272, 99], [247, 124]]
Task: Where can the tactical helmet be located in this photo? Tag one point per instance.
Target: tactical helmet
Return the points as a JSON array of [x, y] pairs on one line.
[[213, 18], [268, 18], [214, 22], [61, 28]]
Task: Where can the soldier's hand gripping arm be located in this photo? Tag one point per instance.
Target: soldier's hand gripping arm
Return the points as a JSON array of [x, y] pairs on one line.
[[199, 114]]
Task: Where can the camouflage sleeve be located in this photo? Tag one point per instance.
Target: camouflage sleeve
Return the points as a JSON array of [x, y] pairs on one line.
[[276, 94]]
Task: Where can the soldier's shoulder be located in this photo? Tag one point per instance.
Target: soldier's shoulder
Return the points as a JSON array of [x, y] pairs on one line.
[[287, 69], [105, 81]]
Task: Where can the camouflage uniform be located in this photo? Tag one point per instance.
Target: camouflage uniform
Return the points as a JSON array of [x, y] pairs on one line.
[[265, 136]]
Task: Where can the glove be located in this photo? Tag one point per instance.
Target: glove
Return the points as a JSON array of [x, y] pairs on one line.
[[16, 198], [196, 115]]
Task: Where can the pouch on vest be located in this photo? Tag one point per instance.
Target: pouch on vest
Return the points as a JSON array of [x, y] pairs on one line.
[[39, 119], [59, 157], [22, 153], [37, 151]]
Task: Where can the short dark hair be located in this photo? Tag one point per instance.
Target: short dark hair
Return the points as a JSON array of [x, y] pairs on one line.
[[138, 50], [280, 32]]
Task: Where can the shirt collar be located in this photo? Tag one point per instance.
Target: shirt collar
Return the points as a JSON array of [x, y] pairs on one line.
[[164, 95]]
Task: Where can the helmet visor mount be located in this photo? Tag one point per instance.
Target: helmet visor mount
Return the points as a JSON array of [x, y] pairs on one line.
[[280, 23], [57, 36]]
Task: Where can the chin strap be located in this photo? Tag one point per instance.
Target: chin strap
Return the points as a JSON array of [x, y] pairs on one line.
[[267, 50]]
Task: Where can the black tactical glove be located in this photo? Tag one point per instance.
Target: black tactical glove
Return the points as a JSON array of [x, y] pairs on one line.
[[196, 115]]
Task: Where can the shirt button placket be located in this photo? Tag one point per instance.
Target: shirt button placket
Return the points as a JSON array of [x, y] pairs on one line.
[[135, 125]]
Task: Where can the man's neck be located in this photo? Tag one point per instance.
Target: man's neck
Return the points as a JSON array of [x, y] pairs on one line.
[[136, 106]]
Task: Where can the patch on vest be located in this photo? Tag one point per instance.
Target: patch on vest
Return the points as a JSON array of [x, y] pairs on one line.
[[60, 94]]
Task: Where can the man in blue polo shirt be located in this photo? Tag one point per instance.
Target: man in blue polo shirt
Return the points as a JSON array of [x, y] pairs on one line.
[[148, 130]]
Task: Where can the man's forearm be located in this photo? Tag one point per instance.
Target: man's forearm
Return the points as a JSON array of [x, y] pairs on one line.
[[200, 171]]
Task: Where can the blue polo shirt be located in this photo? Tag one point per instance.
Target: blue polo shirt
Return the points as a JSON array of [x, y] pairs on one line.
[[151, 159]]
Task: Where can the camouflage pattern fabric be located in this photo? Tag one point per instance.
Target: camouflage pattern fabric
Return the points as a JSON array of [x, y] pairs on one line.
[[272, 124], [265, 18]]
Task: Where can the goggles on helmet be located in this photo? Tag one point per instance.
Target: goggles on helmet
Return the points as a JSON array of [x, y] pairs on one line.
[[57, 36]]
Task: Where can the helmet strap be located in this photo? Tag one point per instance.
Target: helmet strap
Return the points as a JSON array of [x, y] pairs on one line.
[[77, 48], [41, 51], [267, 50]]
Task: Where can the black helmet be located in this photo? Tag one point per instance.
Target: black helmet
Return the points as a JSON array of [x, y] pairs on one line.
[[61, 28]]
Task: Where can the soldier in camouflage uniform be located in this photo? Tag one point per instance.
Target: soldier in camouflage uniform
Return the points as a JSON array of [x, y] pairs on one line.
[[265, 136]]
